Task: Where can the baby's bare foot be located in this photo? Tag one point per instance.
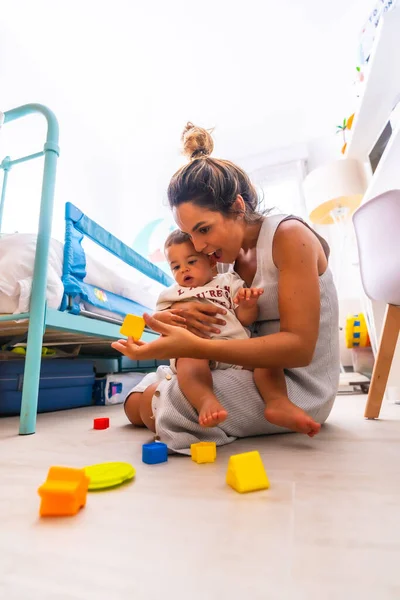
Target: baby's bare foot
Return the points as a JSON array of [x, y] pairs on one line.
[[284, 413], [211, 413]]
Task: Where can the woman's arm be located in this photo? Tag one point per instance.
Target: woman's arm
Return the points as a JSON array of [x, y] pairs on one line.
[[296, 253]]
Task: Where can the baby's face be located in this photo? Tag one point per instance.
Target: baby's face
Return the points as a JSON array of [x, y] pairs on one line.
[[189, 268]]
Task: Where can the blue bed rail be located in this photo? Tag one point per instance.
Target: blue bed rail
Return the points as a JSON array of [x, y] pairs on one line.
[[78, 225]]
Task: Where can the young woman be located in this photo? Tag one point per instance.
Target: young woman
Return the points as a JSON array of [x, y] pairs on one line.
[[296, 338]]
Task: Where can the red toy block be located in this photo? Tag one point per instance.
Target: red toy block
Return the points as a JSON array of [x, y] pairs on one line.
[[102, 423]]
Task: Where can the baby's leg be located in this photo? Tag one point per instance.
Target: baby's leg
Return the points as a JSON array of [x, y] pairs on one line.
[[195, 381], [138, 408], [279, 410]]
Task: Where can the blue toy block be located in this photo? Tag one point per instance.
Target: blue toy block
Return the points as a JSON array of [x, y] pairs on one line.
[[154, 453]]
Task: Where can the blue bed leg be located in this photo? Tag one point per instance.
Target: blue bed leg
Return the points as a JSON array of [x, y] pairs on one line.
[[30, 388]]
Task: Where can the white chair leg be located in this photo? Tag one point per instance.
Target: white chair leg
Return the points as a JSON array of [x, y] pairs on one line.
[[383, 362]]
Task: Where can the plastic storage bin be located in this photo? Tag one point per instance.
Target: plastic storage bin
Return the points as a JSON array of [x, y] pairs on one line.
[[363, 360], [64, 383], [113, 388]]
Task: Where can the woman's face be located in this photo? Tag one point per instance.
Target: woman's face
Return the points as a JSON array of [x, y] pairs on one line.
[[211, 232]]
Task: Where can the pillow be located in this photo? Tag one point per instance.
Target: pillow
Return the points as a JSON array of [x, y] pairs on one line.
[[17, 255]]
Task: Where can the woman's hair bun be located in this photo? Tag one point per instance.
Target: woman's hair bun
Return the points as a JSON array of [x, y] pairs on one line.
[[197, 142]]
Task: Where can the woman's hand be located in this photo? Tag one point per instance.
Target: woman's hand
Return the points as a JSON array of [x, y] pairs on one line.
[[170, 317], [201, 318], [175, 342]]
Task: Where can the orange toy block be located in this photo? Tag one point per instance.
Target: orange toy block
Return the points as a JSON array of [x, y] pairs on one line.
[[133, 327], [64, 492], [203, 452]]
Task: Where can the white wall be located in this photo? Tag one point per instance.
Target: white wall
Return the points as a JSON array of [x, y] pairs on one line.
[[123, 78], [324, 149]]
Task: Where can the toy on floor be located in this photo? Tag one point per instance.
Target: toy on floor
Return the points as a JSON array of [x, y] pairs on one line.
[[203, 452], [101, 423], [154, 453], [246, 473], [22, 351], [107, 475], [64, 492], [133, 327]]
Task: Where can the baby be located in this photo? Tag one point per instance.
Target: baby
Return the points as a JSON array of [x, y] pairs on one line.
[[195, 280]]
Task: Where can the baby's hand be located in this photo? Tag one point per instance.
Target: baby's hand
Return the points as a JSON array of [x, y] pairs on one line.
[[248, 297]]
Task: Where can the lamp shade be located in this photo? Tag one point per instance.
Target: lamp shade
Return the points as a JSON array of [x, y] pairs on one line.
[[334, 190]]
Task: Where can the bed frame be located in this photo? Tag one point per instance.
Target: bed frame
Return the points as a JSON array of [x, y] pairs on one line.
[[71, 324]]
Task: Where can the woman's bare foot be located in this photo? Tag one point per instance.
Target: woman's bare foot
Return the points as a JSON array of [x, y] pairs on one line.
[[212, 412], [284, 413]]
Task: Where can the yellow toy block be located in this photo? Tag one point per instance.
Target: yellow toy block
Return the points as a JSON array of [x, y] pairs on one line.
[[64, 492], [204, 452], [133, 327], [246, 473]]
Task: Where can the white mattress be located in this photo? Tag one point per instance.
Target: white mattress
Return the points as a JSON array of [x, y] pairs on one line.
[[17, 254]]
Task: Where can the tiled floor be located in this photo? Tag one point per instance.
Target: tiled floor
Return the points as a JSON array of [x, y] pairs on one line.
[[329, 527]]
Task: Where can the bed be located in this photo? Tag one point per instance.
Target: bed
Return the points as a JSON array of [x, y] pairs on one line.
[[17, 254], [57, 293]]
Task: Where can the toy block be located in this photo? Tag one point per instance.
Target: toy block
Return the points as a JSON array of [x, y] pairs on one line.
[[101, 423], [154, 453], [203, 452], [59, 498], [64, 492], [133, 327], [246, 473]]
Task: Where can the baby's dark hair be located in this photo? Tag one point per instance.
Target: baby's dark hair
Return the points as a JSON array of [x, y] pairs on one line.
[[176, 237], [211, 183]]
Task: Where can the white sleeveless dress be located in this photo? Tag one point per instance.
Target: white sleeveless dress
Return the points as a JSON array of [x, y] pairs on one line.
[[313, 388]]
